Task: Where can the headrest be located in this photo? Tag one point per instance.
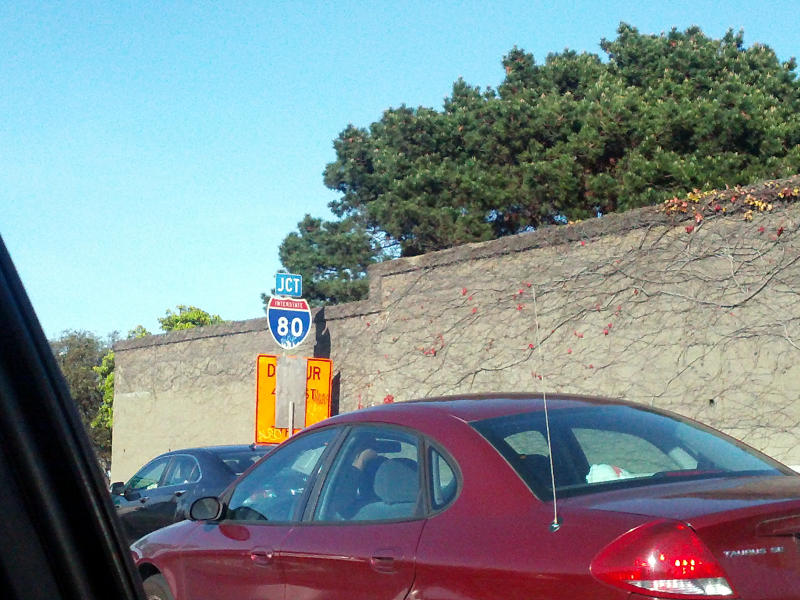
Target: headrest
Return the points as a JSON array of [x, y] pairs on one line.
[[397, 481]]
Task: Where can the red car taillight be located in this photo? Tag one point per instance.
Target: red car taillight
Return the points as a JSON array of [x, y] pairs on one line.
[[663, 559]]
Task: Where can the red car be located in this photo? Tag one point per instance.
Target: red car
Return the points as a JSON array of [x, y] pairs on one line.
[[453, 499]]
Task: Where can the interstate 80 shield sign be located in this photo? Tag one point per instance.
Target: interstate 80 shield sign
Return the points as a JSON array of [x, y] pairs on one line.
[[289, 321]]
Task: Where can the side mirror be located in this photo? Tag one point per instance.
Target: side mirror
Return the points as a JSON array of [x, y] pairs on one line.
[[117, 488], [205, 509], [131, 494]]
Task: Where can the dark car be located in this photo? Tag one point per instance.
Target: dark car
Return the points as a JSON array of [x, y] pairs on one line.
[[161, 492], [454, 499]]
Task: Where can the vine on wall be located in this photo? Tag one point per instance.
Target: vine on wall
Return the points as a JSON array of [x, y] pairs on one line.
[[699, 314]]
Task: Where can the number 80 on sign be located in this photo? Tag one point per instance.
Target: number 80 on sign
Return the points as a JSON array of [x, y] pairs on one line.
[[289, 321]]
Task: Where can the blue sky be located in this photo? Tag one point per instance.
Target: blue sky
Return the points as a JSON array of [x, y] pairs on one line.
[[156, 153]]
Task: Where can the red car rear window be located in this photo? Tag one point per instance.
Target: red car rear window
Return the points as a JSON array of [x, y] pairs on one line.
[[615, 445]]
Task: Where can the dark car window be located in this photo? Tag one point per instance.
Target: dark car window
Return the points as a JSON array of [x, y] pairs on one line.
[[149, 476], [182, 469], [238, 461], [528, 442], [597, 446], [375, 477], [274, 489]]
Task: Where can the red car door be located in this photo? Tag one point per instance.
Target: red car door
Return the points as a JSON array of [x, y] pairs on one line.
[[359, 540], [236, 557], [234, 560], [372, 561]]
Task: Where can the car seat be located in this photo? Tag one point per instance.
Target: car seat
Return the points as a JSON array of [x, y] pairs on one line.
[[397, 488]]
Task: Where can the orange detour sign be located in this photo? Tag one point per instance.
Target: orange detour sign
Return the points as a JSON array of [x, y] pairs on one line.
[[317, 400], [318, 389]]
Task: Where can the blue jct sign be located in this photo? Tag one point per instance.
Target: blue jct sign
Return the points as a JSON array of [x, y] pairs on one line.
[[289, 321], [289, 284]]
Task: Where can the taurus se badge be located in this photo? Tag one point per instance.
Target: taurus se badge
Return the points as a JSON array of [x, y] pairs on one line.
[[752, 551]]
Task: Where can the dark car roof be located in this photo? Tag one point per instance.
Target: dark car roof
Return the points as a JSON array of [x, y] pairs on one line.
[[474, 407], [220, 449]]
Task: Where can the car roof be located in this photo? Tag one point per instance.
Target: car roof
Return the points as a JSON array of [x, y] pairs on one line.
[[475, 407], [220, 449]]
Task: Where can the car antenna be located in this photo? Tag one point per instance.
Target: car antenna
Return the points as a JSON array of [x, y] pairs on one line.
[[556, 524]]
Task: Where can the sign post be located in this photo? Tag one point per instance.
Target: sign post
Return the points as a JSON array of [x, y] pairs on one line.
[[294, 392]]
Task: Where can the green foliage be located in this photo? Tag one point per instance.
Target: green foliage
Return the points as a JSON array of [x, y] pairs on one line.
[[105, 374], [187, 317], [663, 115], [138, 332], [78, 353], [332, 257]]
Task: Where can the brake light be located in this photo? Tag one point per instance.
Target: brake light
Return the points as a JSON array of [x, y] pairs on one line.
[[664, 559]]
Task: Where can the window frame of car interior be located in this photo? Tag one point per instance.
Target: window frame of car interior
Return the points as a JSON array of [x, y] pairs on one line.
[[49, 474]]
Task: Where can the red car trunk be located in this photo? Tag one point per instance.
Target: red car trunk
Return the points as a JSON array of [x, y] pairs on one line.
[[750, 524]]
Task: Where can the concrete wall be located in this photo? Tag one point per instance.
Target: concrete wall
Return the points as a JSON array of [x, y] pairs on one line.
[[186, 388], [704, 322]]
